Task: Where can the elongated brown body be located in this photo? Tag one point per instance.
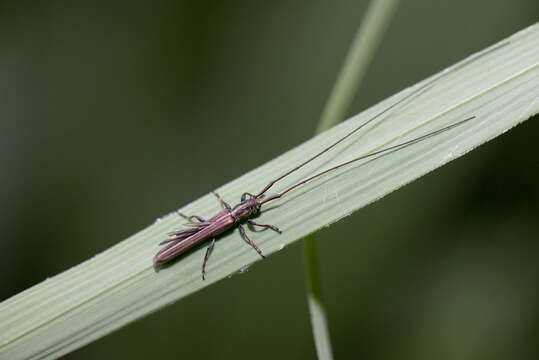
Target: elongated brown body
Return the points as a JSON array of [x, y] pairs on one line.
[[196, 233]]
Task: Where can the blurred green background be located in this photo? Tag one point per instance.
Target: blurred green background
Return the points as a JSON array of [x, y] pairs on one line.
[[114, 113]]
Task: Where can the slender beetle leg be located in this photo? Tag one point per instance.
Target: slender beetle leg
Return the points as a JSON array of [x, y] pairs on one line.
[[244, 235], [224, 203], [267, 226], [208, 251], [190, 218]]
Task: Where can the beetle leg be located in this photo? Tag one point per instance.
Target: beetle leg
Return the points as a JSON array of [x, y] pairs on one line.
[[244, 235], [267, 226], [208, 251], [190, 218], [224, 203]]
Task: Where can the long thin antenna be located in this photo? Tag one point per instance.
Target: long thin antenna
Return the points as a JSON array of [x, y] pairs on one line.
[[362, 157], [421, 88], [416, 91]]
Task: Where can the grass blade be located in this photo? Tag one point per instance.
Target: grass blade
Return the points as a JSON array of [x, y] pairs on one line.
[[357, 61]]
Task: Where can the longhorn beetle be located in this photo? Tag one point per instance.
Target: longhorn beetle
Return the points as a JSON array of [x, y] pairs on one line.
[[197, 232]]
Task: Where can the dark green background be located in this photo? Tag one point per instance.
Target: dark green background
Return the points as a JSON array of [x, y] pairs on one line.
[[115, 113]]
